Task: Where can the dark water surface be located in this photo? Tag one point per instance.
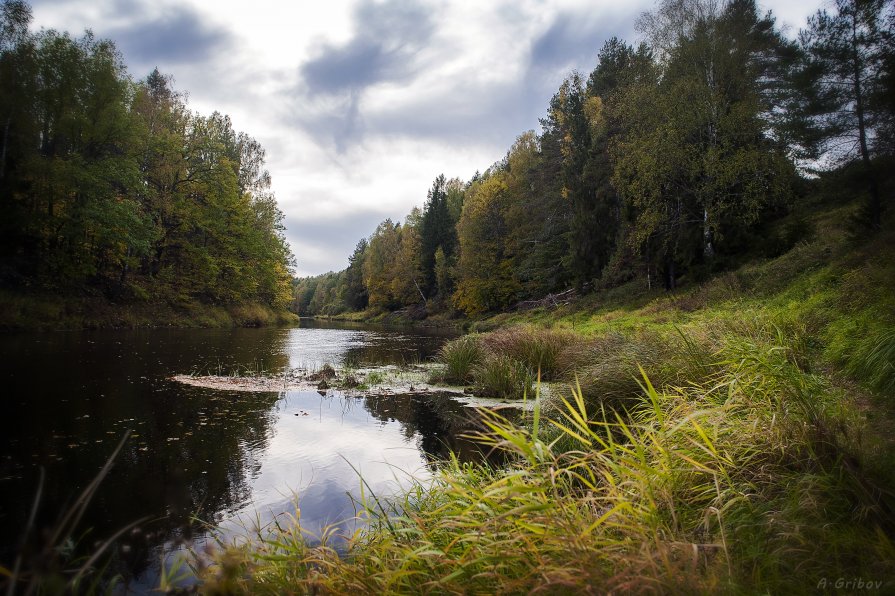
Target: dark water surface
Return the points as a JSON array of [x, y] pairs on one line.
[[234, 459]]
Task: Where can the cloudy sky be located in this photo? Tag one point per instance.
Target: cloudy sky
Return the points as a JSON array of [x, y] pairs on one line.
[[362, 103]]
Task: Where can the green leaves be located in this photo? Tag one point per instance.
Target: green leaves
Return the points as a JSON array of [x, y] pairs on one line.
[[114, 186]]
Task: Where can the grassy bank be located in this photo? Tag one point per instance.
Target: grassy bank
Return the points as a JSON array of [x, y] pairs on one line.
[[42, 312], [417, 317], [734, 437]]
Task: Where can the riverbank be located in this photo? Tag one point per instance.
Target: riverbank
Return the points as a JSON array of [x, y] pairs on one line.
[[733, 437], [417, 317], [43, 312]]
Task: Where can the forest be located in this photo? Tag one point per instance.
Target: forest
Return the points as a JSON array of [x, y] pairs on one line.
[[671, 161], [114, 191]]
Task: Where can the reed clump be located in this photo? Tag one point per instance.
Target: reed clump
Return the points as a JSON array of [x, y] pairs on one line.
[[503, 377], [543, 351], [460, 357]]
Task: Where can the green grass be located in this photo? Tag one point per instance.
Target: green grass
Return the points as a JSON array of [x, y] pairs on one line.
[[502, 377], [375, 378], [460, 357], [733, 437]]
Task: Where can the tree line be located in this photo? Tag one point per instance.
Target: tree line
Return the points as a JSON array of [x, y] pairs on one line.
[[668, 160], [115, 188]]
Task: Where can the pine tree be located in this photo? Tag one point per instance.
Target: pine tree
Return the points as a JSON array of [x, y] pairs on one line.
[[849, 54]]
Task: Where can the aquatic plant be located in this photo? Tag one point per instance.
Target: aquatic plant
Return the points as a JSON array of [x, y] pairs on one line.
[[544, 351], [502, 377]]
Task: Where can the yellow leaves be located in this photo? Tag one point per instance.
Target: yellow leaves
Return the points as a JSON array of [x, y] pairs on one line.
[[593, 110]]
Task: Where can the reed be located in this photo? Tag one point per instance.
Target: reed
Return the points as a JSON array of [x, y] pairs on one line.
[[502, 377], [460, 357], [544, 351]]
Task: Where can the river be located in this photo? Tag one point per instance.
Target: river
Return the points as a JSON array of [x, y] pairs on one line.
[[198, 455]]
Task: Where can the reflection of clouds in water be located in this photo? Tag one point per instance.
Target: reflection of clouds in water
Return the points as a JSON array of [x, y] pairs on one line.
[[317, 457], [312, 348]]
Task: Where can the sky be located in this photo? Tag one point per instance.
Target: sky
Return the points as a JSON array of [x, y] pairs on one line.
[[360, 104]]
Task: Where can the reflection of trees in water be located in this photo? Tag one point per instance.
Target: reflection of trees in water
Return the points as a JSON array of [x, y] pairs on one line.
[[394, 349], [201, 476], [383, 344], [70, 397], [439, 421], [193, 452]]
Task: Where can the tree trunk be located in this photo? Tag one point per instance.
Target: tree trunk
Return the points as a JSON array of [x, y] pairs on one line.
[[875, 205], [670, 282], [708, 250], [5, 143]]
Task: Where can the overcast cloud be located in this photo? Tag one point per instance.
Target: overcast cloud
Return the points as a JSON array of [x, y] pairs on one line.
[[361, 104]]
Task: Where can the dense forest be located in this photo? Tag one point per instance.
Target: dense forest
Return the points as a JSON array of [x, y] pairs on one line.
[[668, 162], [113, 189]]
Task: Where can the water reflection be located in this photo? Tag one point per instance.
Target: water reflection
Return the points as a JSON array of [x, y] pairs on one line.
[[215, 456]]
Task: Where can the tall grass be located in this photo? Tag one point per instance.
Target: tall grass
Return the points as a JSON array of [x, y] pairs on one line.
[[502, 377], [56, 561], [740, 483], [460, 357], [544, 351]]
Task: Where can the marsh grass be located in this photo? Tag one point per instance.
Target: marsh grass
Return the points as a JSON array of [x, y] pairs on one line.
[[460, 357], [375, 377], [541, 350], [502, 377]]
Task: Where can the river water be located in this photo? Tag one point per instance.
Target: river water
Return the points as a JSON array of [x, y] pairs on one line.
[[197, 455]]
